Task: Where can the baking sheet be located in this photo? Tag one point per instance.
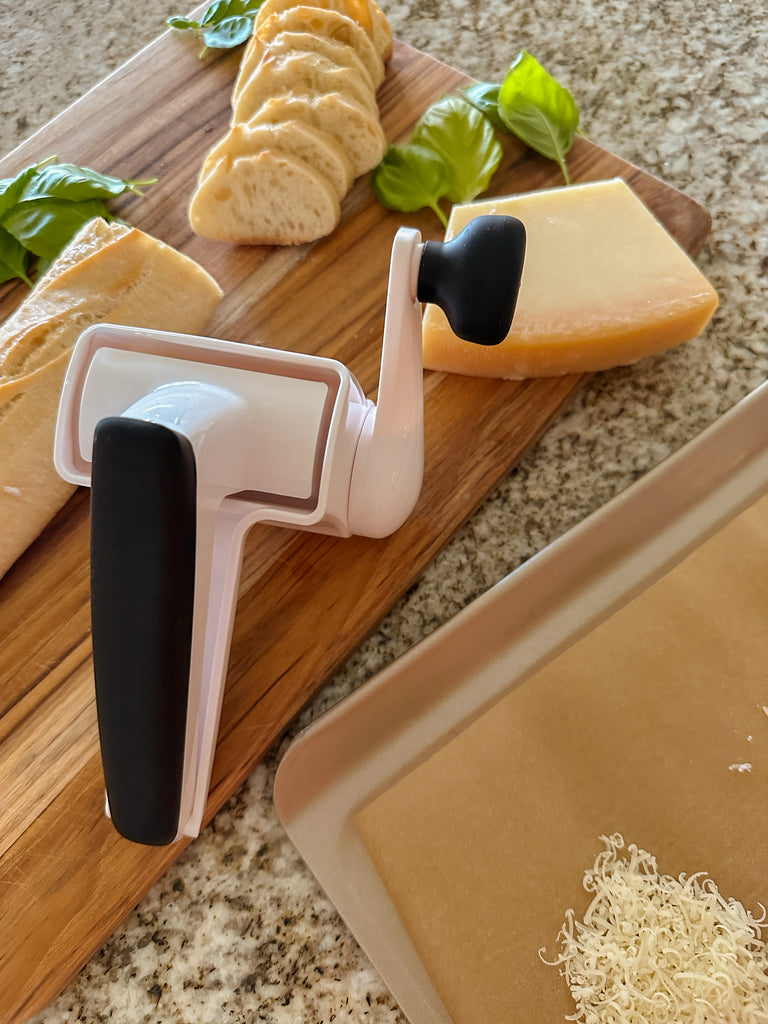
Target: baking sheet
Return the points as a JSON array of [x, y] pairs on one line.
[[435, 710]]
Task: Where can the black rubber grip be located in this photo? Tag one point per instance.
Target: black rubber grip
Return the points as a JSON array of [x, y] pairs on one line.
[[143, 516], [475, 277]]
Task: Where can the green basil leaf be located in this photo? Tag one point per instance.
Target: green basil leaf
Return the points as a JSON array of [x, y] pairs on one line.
[[411, 177], [224, 25], [485, 97], [216, 12], [44, 226], [228, 33], [12, 188], [182, 24], [538, 109], [67, 181], [13, 258], [466, 142], [220, 10]]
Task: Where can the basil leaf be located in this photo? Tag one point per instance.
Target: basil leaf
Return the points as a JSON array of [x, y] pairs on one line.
[[221, 9], [182, 24], [538, 110], [44, 226], [13, 258], [485, 97], [12, 188], [225, 24], [411, 177], [67, 181], [466, 142], [45, 205], [228, 33]]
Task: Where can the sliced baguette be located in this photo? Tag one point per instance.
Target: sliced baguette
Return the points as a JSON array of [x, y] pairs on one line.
[[318, 22], [357, 132], [296, 138], [357, 10], [297, 74], [108, 272], [382, 30], [270, 198], [340, 53]]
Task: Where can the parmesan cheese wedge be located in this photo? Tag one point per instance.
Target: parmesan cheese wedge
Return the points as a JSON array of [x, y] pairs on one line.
[[604, 284]]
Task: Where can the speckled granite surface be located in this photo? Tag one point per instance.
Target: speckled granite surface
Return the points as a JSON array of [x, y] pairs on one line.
[[238, 930]]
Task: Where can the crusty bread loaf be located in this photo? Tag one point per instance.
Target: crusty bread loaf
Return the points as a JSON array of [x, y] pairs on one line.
[[107, 273], [295, 138], [339, 116], [278, 198], [299, 73], [32, 319], [323, 24], [99, 232], [312, 71]]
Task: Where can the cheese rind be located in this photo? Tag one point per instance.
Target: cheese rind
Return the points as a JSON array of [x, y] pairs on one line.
[[604, 284]]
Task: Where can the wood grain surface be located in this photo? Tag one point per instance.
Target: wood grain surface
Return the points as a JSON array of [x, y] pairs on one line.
[[66, 877]]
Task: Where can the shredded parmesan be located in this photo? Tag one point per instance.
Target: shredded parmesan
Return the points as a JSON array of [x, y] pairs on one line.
[[653, 949]]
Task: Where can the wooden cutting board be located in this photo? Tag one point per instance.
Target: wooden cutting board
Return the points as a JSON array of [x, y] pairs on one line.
[[66, 878]]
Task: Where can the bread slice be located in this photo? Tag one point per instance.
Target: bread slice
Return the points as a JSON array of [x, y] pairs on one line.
[[382, 30], [296, 138], [107, 273], [298, 73], [366, 13], [357, 10], [320, 23], [350, 124], [270, 198], [340, 53]]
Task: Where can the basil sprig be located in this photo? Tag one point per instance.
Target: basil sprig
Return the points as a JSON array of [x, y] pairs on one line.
[[224, 25], [452, 154], [44, 206], [460, 132], [532, 105]]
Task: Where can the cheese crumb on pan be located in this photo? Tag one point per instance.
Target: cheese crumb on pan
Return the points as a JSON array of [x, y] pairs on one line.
[[653, 949]]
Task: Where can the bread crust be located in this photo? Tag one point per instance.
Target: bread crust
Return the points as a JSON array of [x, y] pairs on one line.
[[107, 273]]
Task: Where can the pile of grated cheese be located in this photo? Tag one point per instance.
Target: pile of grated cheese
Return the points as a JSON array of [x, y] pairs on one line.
[[653, 949]]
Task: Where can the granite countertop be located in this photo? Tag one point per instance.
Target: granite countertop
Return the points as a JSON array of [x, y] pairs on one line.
[[238, 929]]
